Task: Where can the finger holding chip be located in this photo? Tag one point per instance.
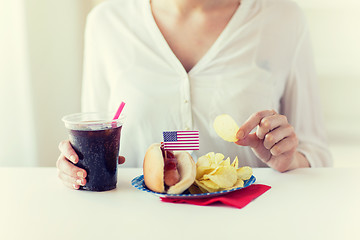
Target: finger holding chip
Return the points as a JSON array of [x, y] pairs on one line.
[[253, 121], [274, 141]]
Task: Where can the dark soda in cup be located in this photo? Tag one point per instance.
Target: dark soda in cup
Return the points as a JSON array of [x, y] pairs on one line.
[[96, 140]]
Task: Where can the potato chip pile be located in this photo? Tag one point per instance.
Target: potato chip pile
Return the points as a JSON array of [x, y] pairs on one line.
[[214, 174]]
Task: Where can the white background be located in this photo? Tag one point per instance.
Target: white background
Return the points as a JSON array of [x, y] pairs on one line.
[[41, 45]]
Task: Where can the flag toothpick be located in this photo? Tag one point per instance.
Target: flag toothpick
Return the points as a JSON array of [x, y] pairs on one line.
[[181, 140]]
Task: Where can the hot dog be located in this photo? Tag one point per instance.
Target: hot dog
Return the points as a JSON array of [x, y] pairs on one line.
[[168, 172], [171, 173]]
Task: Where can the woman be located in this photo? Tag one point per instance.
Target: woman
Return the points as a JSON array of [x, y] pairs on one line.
[[180, 63]]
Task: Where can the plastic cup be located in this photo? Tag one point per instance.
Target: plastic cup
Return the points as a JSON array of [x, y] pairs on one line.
[[95, 138]]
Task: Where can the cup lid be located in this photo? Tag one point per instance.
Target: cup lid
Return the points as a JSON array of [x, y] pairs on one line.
[[92, 121]]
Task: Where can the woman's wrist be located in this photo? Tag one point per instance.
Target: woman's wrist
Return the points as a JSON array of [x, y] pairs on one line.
[[299, 161]]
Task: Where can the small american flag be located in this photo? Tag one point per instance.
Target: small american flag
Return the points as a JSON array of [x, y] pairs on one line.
[[181, 140]]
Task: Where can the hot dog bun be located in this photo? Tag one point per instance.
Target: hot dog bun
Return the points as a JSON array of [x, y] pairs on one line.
[[153, 169]]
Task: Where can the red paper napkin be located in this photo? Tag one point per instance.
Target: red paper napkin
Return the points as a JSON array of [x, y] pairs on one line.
[[238, 199]]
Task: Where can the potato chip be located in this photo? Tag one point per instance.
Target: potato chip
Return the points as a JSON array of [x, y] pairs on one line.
[[206, 176], [204, 188], [235, 163], [224, 177], [218, 158], [211, 185], [203, 161], [239, 183], [226, 127], [213, 174], [225, 163], [244, 173], [210, 155], [203, 170], [195, 189]]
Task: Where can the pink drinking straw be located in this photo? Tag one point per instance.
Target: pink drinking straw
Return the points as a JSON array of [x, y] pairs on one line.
[[118, 112]]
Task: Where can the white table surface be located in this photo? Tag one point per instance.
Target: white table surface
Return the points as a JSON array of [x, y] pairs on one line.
[[302, 204]]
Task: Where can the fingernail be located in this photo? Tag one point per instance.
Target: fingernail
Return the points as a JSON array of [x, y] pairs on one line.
[[75, 186], [80, 174], [240, 134], [73, 158], [79, 182]]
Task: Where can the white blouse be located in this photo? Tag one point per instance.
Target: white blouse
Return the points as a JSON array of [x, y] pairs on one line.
[[262, 60]]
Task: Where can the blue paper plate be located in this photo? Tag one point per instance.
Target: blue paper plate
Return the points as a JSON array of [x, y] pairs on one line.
[[138, 182]]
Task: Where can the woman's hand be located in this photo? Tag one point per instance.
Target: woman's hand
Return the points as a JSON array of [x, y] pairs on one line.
[[274, 141], [71, 175]]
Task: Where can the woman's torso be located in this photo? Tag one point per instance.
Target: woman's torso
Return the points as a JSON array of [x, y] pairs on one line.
[[234, 76]]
